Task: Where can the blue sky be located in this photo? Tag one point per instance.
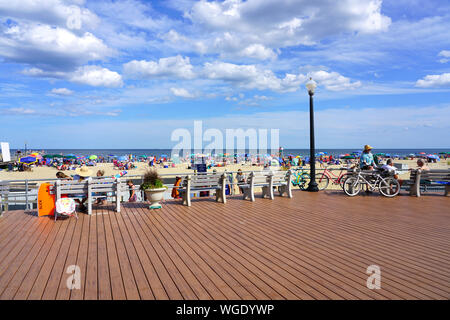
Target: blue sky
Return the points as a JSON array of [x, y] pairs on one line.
[[125, 74]]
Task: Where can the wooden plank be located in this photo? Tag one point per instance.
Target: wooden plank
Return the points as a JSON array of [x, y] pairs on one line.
[[142, 283], [52, 270], [117, 286], [31, 240], [104, 285]]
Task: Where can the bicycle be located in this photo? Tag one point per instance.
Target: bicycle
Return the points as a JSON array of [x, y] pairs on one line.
[[386, 184], [324, 179], [300, 178]]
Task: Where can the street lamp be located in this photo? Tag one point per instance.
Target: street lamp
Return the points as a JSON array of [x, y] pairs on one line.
[[311, 86]]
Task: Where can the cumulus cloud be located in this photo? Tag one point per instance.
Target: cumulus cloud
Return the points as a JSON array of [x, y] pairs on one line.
[[333, 81], [62, 13], [434, 81], [62, 91], [181, 92], [254, 77], [251, 77], [96, 76], [446, 56], [90, 75], [50, 48], [171, 67]]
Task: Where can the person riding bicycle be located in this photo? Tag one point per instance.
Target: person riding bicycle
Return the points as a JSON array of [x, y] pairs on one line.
[[366, 161]]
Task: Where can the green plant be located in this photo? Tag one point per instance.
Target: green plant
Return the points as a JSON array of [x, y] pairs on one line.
[[152, 180]]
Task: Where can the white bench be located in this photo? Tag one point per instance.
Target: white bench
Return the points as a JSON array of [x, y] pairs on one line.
[[431, 180], [267, 180], [203, 182], [91, 188]]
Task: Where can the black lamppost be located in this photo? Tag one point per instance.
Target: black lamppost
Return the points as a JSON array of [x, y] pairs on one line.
[[311, 86]]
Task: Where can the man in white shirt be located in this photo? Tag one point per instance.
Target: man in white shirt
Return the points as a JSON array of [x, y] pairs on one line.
[[390, 168]]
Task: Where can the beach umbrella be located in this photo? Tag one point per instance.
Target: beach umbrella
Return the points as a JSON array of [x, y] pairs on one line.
[[28, 160], [70, 156], [422, 153], [39, 157], [92, 157], [380, 154], [164, 156], [348, 157], [122, 158], [143, 156]]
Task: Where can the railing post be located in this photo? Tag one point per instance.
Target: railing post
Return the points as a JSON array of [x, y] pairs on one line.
[[26, 194]]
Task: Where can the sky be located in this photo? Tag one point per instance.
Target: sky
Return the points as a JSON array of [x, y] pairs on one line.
[[127, 73]]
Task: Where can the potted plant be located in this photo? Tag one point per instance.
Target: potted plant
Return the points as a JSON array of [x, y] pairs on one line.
[[154, 188]]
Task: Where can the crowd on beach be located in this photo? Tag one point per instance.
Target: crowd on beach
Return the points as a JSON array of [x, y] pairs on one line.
[[72, 162]]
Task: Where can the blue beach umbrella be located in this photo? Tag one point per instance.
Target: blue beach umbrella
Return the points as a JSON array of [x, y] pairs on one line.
[[122, 158], [27, 160]]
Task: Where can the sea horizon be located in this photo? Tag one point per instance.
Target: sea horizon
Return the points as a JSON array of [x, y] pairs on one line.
[[286, 151]]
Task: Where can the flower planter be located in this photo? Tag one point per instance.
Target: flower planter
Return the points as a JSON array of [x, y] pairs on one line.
[[155, 196]]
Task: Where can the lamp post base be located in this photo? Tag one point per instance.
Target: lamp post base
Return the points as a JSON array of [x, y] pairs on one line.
[[312, 187]]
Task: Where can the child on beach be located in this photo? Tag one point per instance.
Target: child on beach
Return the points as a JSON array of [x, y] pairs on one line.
[[133, 196]]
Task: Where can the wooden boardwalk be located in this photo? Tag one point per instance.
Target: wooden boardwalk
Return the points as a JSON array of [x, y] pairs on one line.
[[314, 246]]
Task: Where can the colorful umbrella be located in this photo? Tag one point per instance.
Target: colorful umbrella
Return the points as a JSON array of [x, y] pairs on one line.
[[70, 156], [348, 157], [28, 160], [92, 157]]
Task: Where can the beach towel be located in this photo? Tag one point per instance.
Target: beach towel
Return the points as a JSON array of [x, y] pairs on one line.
[[65, 206]]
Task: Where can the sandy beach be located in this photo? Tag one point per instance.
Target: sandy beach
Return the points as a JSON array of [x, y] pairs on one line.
[[50, 173]]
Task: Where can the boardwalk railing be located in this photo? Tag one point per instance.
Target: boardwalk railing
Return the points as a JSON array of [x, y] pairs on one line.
[[22, 194]]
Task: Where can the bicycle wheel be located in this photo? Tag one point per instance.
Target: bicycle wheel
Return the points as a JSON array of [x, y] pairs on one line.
[[303, 182], [352, 186], [342, 179], [322, 181], [389, 187]]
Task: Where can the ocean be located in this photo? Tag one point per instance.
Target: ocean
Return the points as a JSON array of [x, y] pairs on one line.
[[167, 152]]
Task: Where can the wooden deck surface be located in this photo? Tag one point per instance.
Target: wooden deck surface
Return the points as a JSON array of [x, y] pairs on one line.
[[314, 246]]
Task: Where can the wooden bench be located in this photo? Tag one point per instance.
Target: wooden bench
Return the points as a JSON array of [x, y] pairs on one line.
[[431, 180], [203, 182], [267, 180], [91, 188], [17, 193]]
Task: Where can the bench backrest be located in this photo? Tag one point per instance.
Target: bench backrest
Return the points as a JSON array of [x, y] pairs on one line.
[[94, 185], [432, 175], [204, 180], [280, 177]]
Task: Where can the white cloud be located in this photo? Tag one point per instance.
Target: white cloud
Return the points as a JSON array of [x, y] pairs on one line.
[[434, 81], [253, 77], [333, 81], [50, 48], [171, 67], [181, 92], [90, 75], [279, 23], [62, 13], [446, 55], [96, 76], [62, 91]]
